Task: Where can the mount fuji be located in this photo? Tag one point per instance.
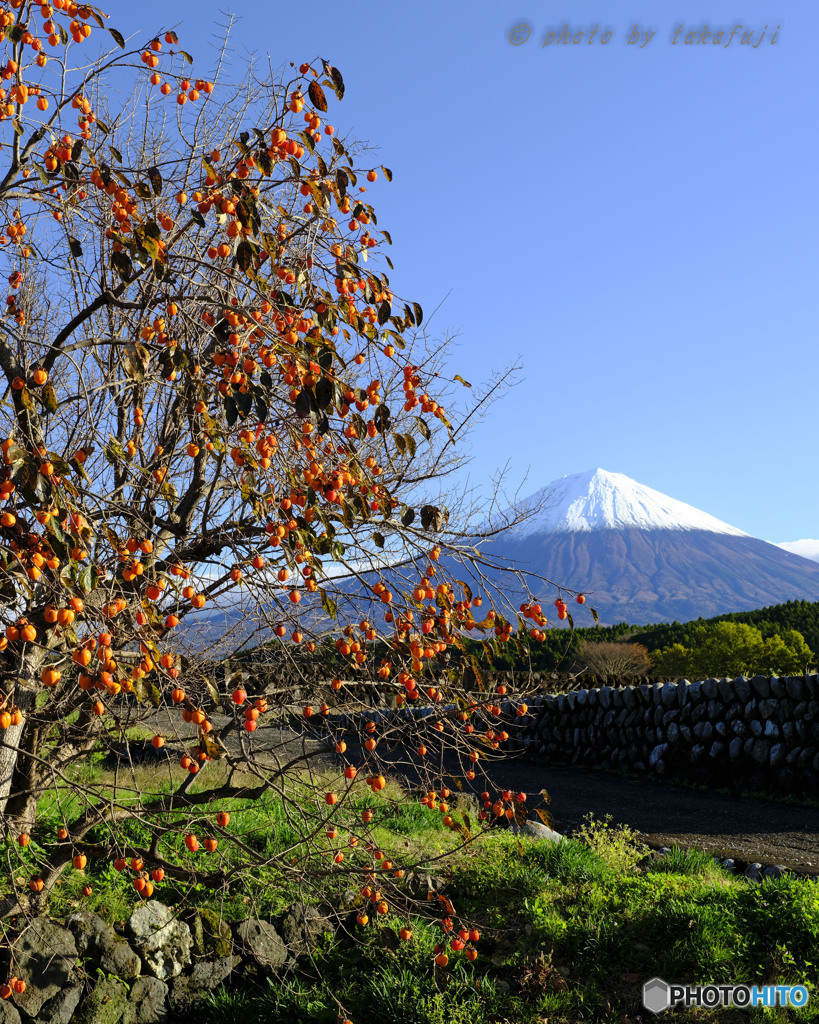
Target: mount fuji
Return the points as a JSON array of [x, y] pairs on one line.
[[642, 557], [638, 555]]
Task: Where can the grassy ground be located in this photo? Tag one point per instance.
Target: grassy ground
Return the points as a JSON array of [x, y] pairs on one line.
[[569, 932]]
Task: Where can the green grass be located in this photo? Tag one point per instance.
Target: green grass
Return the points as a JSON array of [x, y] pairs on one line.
[[569, 931], [565, 937]]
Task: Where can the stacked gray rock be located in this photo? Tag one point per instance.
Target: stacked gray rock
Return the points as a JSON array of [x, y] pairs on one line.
[[762, 732], [84, 972]]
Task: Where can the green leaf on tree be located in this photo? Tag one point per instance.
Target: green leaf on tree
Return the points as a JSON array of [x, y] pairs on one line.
[[303, 403], [264, 161], [246, 253], [325, 392], [244, 403], [335, 76], [317, 97], [121, 262], [86, 579]]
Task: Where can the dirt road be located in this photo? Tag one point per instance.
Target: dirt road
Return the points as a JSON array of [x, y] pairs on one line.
[[666, 814], [663, 813]]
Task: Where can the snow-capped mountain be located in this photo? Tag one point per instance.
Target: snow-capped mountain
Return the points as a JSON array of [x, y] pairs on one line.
[[599, 500], [805, 548], [643, 557], [639, 555]]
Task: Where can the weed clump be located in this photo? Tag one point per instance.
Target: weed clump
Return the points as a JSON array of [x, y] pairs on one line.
[[616, 845]]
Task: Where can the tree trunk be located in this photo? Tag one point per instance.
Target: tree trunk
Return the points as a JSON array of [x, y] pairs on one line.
[[21, 803], [22, 692]]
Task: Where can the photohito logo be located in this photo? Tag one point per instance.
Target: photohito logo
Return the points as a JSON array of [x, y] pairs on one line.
[[658, 995]]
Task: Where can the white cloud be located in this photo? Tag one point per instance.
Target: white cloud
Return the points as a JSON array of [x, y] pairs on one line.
[[805, 548]]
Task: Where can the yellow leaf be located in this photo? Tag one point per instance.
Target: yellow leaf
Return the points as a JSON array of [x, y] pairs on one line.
[[49, 396], [213, 746], [146, 692], [545, 817]]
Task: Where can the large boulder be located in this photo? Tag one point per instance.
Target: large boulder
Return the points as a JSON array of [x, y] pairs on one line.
[[212, 937], [301, 928], [261, 944], [149, 997], [8, 1013], [536, 830], [98, 941], [189, 989], [107, 1003], [60, 1008], [163, 943], [45, 955]]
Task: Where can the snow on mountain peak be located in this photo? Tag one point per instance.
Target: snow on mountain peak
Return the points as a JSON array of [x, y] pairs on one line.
[[599, 500]]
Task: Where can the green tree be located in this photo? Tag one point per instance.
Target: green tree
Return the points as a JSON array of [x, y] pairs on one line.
[[786, 652], [731, 649]]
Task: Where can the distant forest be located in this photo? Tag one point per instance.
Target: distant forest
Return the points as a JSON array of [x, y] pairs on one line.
[[560, 647]]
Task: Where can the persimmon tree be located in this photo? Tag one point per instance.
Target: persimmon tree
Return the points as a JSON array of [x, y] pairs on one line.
[[211, 390]]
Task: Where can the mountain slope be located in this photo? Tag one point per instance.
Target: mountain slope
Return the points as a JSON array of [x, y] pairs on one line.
[[805, 548]]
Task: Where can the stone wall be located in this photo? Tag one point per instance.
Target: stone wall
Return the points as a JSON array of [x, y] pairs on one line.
[[159, 965], [759, 734]]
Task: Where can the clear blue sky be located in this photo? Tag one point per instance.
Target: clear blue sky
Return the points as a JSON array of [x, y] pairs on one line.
[[638, 225]]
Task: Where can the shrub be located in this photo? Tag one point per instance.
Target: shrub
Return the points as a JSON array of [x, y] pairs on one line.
[[616, 845]]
